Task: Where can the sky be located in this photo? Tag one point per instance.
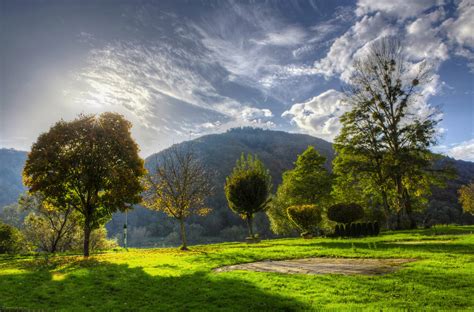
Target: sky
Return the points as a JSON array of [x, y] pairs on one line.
[[182, 69]]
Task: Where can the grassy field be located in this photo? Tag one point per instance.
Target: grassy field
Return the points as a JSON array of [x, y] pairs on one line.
[[168, 279]]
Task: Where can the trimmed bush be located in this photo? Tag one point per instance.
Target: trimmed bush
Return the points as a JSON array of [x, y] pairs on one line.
[[370, 228], [376, 228], [364, 229], [345, 213], [353, 230], [356, 229], [305, 217]]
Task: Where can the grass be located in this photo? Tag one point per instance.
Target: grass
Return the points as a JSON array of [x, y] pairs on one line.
[[168, 279]]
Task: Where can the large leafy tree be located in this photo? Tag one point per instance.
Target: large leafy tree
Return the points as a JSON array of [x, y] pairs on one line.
[[385, 137], [309, 182], [248, 188], [179, 186], [91, 164]]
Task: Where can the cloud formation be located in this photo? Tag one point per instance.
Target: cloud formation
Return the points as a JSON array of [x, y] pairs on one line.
[[319, 116]]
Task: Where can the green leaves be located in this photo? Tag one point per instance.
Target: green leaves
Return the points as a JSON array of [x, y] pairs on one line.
[[248, 188]]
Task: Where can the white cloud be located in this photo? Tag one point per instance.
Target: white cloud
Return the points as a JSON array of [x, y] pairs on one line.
[[422, 40], [461, 29], [338, 60], [319, 116], [398, 8], [288, 36], [253, 113], [463, 150]]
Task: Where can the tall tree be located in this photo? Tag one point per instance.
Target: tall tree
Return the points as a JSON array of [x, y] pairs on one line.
[[385, 133], [179, 186], [308, 183], [248, 189], [91, 164]]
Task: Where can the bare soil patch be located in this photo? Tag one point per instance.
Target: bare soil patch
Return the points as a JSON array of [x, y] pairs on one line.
[[421, 242], [344, 266]]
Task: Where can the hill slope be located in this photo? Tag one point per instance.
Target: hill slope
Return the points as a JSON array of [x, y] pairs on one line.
[[11, 166]]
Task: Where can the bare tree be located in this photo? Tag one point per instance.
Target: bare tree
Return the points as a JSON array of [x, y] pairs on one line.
[[178, 186]]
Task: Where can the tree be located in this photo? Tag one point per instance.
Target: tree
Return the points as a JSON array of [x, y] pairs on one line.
[[345, 213], [11, 239], [305, 217], [91, 164], [179, 186], [466, 197], [308, 183], [385, 133], [50, 227], [248, 189]]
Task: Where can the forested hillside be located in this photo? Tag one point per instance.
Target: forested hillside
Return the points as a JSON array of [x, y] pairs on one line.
[[278, 150], [219, 152], [11, 165]]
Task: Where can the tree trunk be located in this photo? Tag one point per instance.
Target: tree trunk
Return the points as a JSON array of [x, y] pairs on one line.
[[401, 202], [408, 208], [386, 209], [87, 236], [184, 245], [249, 223], [54, 245]]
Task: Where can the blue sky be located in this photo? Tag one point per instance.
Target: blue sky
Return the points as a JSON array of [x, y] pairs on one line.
[[181, 69]]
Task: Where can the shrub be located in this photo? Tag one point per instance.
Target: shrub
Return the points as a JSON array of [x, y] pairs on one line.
[[364, 229], [345, 213], [358, 230], [11, 239], [353, 230], [370, 228], [305, 217], [376, 228]]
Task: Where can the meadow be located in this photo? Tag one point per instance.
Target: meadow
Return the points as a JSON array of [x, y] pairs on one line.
[[166, 279]]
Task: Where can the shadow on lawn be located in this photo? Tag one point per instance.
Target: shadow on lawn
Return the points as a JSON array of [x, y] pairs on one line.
[[92, 285]]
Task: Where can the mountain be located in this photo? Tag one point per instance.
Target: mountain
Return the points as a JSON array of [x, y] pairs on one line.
[[278, 150], [11, 166]]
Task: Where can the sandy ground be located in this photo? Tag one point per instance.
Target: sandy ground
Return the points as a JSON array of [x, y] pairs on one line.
[[322, 266]]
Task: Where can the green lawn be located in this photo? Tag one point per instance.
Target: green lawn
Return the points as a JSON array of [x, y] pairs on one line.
[[168, 279]]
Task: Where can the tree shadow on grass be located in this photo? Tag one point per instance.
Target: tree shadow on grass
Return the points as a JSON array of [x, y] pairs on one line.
[[92, 285]]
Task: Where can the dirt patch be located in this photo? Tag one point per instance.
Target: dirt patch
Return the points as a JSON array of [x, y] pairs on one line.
[[421, 242], [322, 266]]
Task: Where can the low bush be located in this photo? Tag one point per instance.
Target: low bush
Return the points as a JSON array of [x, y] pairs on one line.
[[11, 239], [357, 229], [305, 217]]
